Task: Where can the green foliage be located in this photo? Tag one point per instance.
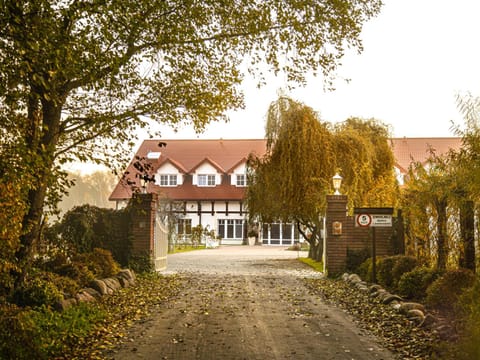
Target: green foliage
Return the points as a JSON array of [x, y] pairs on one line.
[[365, 269], [355, 258], [444, 292], [291, 181], [78, 271], [403, 264], [43, 333], [141, 263], [468, 309], [385, 271], [38, 291], [73, 85], [414, 284], [100, 262], [391, 268], [316, 265], [366, 162], [86, 228], [18, 334]]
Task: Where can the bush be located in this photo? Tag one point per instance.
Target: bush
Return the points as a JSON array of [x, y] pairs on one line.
[[355, 258], [385, 271], [43, 333], [414, 284], [403, 264], [100, 262], [141, 263], [18, 335], [365, 270], [390, 269], [468, 308], [78, 271], [38, 291], [444, 292]]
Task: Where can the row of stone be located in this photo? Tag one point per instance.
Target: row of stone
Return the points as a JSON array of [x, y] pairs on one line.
[[99, 288], [412, 310]]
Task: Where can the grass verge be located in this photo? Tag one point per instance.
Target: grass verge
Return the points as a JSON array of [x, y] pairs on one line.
[[316, 265]]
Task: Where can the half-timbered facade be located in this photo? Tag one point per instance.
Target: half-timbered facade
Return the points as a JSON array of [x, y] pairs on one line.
[[203, 182]]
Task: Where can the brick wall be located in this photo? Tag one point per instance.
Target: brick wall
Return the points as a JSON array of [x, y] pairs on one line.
[[143, 223], [352, 237]]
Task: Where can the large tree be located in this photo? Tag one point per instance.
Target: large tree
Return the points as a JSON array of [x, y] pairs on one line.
[[291, 181], [78, 77], [366, 161]]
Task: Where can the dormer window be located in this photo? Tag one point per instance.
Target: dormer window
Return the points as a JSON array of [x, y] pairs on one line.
[[168, 180], [241, 180], [206, 180]]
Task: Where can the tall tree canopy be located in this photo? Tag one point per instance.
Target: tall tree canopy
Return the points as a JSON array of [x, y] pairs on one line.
[[366, 162], [78, 77], [291, 182]]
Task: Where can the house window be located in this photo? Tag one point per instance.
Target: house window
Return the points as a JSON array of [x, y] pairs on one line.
[[168, 180], [206, 180], [241, 180], [184, 229], [230, 229]]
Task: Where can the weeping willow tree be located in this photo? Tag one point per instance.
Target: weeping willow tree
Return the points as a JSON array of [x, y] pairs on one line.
[[365, 159], [290, 183]]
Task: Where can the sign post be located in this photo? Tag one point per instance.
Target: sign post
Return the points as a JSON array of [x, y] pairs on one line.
[[372, 218]]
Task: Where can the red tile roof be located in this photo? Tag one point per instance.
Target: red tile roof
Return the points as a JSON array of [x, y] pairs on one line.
[[408, 150], [226, 155], [186, 155]]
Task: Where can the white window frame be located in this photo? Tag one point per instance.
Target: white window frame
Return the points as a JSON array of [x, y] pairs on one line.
[[235, 227], [206, 180], [241, 180], [167, 180]]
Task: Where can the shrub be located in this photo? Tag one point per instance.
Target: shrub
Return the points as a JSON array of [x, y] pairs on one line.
[[403, 264], [391, 268], [18, 334], [365, 270], [78, 271], [414, 284], [141, 263], [38, 291], [385, 271], [468, 308], [444, 292], [100, 262], [43, 333], [355, 258]]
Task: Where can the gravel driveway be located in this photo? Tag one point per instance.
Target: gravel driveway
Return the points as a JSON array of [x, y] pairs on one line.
[[247, 303]]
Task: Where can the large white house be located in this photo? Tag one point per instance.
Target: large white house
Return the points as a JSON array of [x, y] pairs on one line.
[[203, 182]]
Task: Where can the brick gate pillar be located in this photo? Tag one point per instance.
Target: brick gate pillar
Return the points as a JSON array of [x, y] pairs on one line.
[[336, 238], [143, 223]]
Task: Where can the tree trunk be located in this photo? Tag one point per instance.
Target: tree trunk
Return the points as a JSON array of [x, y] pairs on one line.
[[42, 148], [442, 250], [467, 230]]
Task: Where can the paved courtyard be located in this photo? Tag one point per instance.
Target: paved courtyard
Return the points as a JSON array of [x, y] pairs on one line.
[[245, 302]]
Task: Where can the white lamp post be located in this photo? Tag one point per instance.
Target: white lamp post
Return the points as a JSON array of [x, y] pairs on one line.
[[337, 182]]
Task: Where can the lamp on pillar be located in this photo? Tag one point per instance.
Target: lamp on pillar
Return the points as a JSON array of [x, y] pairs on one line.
[[337, 182]]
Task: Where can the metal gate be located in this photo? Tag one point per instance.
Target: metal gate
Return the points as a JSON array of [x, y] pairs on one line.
[[160, 245]]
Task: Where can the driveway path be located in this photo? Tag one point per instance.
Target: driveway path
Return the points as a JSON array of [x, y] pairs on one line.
[[247, 303]]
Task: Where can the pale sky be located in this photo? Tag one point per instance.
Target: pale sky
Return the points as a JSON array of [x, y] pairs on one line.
[[418, 54]]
